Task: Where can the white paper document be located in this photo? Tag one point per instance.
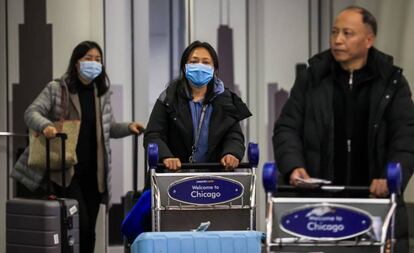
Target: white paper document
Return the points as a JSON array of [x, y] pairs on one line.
[[312, 181]]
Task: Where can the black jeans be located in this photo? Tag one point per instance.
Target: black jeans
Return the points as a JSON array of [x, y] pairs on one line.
[[84, 189]]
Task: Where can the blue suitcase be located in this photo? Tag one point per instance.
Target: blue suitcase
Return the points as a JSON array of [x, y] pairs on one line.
[[198, 242]]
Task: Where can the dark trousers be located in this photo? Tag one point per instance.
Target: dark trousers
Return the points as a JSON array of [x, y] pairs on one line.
[[84, 189], [401, 230]]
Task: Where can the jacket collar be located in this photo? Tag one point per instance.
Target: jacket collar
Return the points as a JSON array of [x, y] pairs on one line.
[[223, 98], [323, 63]]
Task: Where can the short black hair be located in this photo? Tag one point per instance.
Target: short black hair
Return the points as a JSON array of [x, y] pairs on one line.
[[197, 44], [72, 78], [367, 17]]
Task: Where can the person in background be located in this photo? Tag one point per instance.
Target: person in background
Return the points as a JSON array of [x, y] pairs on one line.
[[195, 119], [86, 88], [348, 115]]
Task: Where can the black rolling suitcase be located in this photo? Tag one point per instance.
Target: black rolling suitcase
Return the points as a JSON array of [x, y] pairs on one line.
[[49, 225], [131, 197]]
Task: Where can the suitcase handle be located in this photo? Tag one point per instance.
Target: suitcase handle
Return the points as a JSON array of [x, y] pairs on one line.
[[63, 138], [135, 164], [135, 160]]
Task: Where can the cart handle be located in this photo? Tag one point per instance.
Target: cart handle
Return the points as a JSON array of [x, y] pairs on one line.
[[200, 166], [11, 134], [323, 188], [270, 184], [153, 157]]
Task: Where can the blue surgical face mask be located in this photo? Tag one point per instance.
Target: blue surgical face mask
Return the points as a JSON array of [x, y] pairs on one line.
[[89, 70], [199, 74]]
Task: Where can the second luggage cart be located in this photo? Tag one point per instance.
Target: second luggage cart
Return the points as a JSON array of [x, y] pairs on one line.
[[203, 193]]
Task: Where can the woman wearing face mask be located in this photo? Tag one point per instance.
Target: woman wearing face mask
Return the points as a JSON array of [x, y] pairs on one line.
[[86, 94], [196, 119]]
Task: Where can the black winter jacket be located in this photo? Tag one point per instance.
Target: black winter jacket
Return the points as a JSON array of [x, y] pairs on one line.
[[170, 124], [303, 135]]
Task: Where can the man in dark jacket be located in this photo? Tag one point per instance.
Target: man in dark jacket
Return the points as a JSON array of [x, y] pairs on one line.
[[348, 115]]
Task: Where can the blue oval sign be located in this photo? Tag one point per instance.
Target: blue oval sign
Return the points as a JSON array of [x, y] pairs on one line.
[[326, 222], [205, 190]]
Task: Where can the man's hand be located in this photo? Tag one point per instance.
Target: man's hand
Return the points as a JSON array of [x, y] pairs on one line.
[[50, 132], [173, 164], [298, 173], [230, 162], [379, 188], [136, 128]]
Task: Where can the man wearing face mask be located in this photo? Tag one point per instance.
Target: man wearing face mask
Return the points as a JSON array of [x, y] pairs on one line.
[[83, 93], [196, 119]]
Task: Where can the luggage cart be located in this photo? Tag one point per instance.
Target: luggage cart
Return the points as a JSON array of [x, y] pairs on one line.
[[329, 224], [181, 201]]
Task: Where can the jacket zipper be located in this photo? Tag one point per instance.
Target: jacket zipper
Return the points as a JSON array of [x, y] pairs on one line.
[[349, 141], [348, 165], [351, 81]]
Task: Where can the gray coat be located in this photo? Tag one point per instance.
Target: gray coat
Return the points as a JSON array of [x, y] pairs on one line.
[[46, 109]]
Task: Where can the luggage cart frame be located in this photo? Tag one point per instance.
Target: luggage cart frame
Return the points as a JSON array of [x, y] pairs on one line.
[[379, 212], [172, 213]]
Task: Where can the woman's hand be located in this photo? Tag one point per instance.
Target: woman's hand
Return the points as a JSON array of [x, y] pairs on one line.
[[173, 164], [136, 128], [230, 162], [50, 132]]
